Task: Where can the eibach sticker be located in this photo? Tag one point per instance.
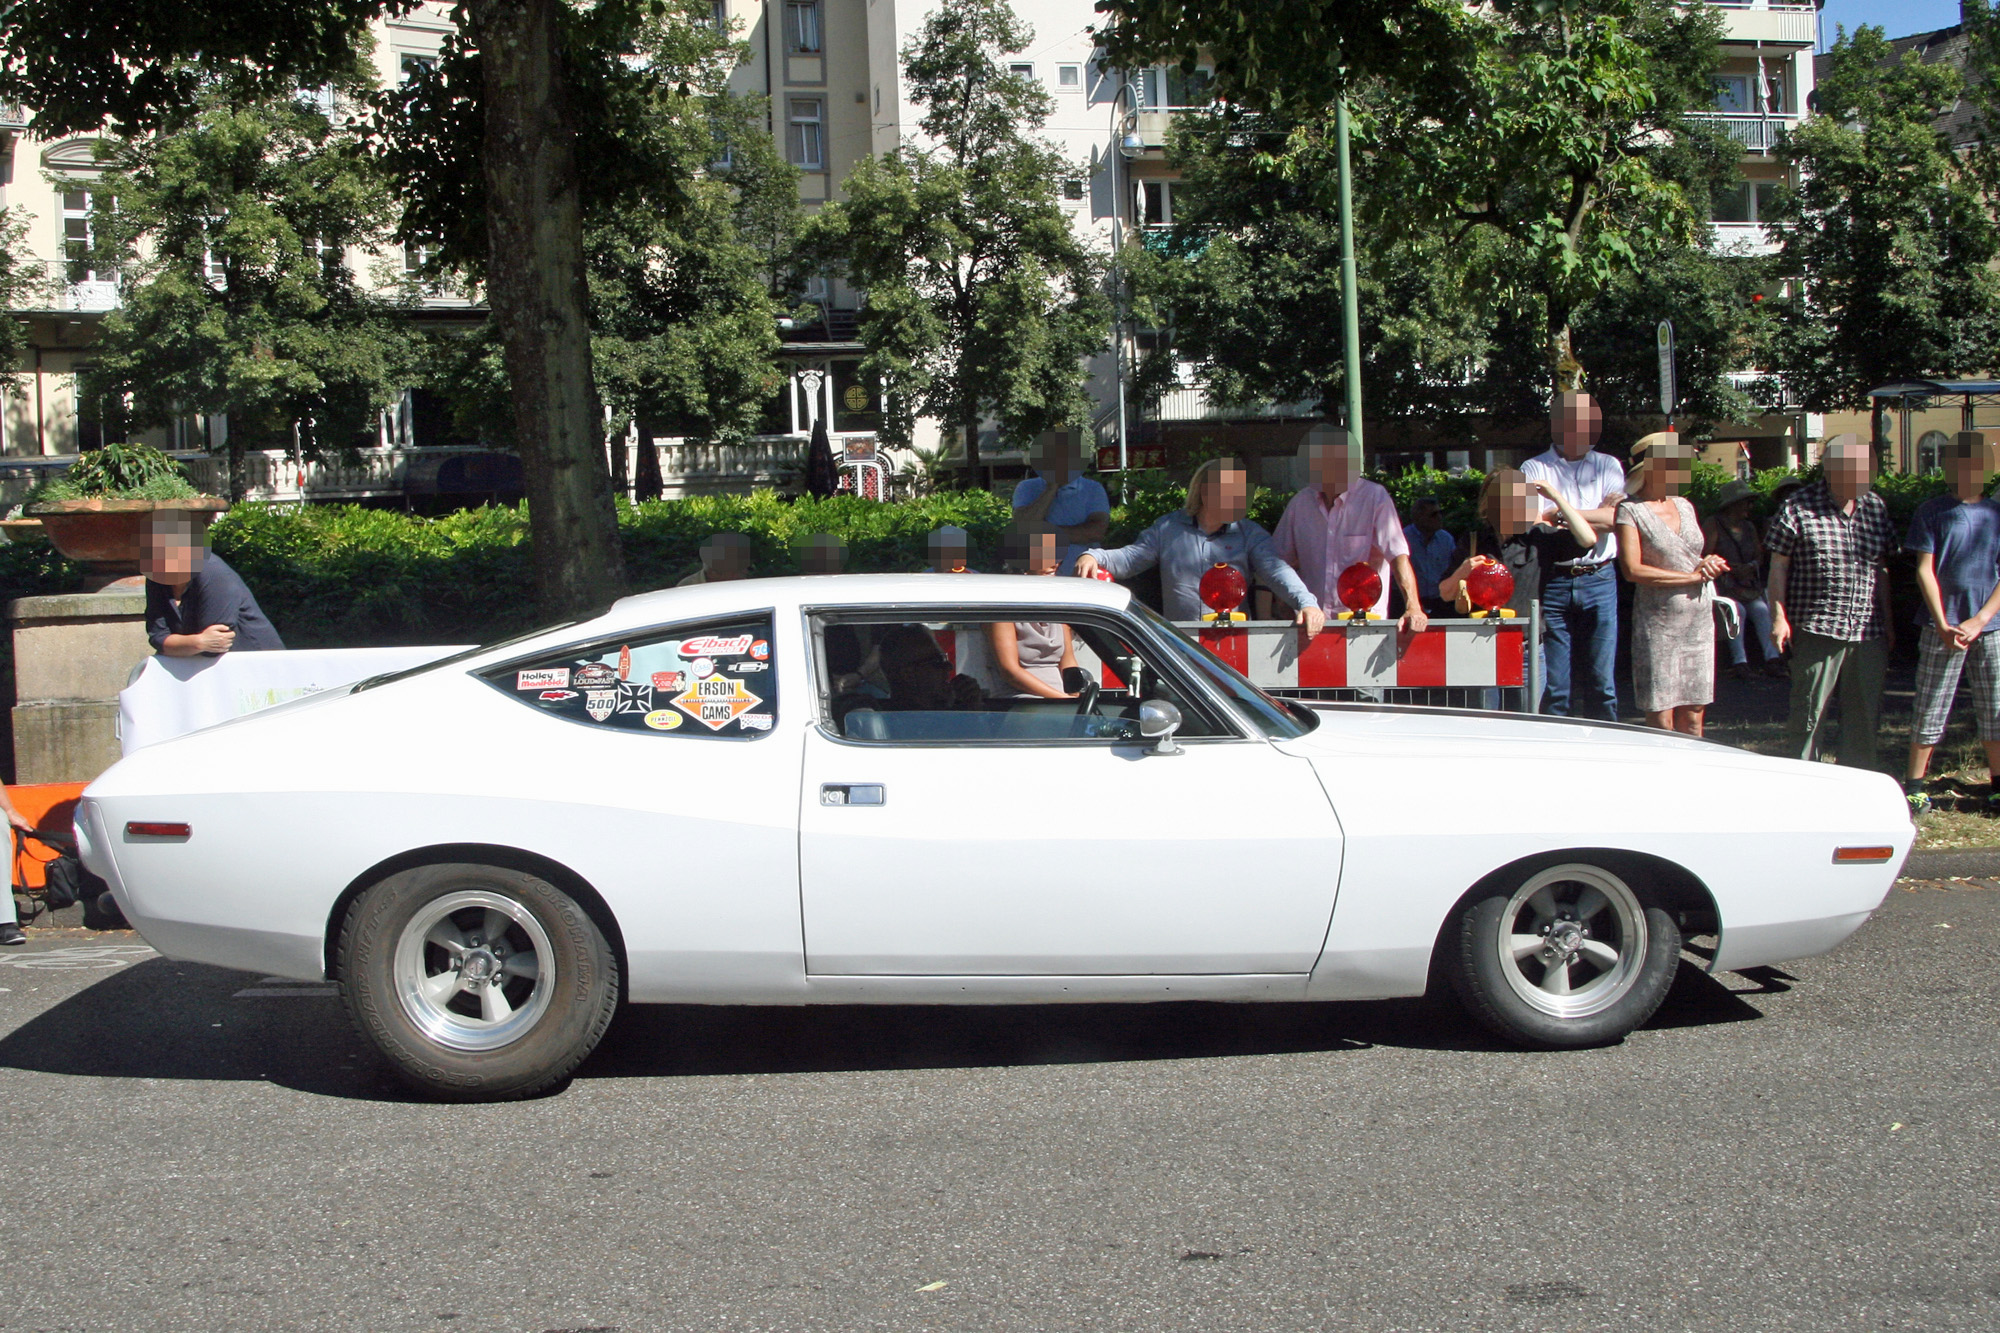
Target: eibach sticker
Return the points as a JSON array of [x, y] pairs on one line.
[[716, 701], [666, 680], [635, 698], [755, 721], [760, 650], [551, 678], [600, 704], [595, 673], [555, 696], [663, 719], [710, 645]]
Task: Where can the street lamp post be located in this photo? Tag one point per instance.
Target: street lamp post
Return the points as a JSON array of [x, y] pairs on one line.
[[1350, 304]]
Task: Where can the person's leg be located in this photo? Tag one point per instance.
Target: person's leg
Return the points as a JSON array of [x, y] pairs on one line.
[[1815, 668], [1664, 720], [10, 923], [1938, 667], [1557, 606], [1594, 650], [1689, 719], [1757, 612], [1982, 666], [1861, 681]]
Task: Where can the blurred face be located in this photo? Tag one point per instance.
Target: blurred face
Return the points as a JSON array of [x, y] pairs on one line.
[[1427, 517], [1667, 475], [916, 669], [1057, 460], [1332, 466], [172, 551], [725, 557], [1968, 475], [1735, 512], [1225, 496], [824, 554], [1848, 471], [1575, 423], [947, 553], [1512, 509], [1044, 554]]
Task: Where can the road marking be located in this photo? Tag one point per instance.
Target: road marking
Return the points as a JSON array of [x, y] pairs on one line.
[[80, 957]]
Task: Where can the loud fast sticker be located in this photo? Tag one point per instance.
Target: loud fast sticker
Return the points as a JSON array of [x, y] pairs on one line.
[[716, 701]]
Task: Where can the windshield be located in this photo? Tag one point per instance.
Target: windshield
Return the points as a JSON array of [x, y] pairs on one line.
[[390, 677], [1268, 715]]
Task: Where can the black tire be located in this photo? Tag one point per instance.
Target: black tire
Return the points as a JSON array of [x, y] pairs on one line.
[[458, 1046], [1564, 993]]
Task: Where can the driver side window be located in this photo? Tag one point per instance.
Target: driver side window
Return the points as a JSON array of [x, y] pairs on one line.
[[990, 677]]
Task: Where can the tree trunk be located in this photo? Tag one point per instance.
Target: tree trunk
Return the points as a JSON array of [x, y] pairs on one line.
[[535, 283], [968, 414]]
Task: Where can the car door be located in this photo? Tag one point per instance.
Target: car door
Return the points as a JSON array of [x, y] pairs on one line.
[[1019, 840]]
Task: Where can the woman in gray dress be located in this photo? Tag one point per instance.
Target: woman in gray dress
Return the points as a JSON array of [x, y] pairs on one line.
[[1673, 600], [1029, 656]]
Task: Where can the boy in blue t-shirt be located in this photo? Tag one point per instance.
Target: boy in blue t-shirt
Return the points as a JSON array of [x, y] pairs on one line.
[[1956, 539]]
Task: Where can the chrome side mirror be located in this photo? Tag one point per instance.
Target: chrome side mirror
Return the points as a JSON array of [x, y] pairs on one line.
[[1158, 721]]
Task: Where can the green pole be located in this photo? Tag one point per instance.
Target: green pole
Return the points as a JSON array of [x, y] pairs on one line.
[[1350, 300]]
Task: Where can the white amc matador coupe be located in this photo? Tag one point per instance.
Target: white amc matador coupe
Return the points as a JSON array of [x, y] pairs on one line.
[[789, 791]]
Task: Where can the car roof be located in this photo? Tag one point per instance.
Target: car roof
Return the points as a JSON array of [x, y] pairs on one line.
[[702, 599]]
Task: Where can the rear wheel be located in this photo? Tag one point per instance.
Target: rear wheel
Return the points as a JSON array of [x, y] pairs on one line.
[[1568, 955], [477, 982]]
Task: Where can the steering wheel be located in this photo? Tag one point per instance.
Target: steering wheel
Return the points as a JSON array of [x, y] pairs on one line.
[[1086, 698]]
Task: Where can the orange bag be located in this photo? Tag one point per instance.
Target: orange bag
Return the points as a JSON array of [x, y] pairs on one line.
[[51, 806]]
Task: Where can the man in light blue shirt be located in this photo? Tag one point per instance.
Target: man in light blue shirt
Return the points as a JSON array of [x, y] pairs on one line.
[[1061, 497], [1432, 551]]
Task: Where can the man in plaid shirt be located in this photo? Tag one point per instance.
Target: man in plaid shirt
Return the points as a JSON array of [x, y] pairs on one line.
[[1829, 598]]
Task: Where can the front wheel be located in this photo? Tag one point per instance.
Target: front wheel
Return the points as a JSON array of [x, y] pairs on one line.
[[478, 983], [1569, 955]]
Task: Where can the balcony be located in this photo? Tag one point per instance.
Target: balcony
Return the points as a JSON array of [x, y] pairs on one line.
[[1746, 22], [13, 118], [1190, 403], [1757, 134], [93, 298], [1744, 238]]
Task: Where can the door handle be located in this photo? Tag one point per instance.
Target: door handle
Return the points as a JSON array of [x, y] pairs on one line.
[[852, 793]]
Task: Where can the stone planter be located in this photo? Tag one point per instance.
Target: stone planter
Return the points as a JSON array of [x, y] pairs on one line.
[[104, 536]]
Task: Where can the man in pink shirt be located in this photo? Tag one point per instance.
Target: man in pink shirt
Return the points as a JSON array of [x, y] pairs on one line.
[[1341, 518]]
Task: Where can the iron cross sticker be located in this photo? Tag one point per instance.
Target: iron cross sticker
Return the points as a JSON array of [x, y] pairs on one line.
[[715, 701]]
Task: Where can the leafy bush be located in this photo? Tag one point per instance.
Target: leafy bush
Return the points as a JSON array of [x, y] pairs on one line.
[[118, 471]]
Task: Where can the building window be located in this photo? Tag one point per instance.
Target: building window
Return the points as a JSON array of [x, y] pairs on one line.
[[1156, 203], [408, 65], [1745, 201], [805, 138], [79, 232], [1073, 189], [1732, 94], [802, 27], [1069, 78], [1930, 451], [1023, 70], [718, 13]]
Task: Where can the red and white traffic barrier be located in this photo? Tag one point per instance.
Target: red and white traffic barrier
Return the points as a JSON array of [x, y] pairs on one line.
[[1276, 655]]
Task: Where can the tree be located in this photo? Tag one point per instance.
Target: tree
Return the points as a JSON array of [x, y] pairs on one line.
[[981, 300], [688, 213], [1890, 233], [133, 63], [232, 229], [20, 278]]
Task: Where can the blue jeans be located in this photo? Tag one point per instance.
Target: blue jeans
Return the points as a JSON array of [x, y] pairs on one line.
[[1580, 645]]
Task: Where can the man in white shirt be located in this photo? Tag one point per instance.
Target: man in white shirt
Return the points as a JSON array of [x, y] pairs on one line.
[[1580, 604]]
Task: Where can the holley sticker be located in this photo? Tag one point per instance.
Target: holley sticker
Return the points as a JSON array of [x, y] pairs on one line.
[[599, 703], [709, 645], [716, 702], [551, 678]]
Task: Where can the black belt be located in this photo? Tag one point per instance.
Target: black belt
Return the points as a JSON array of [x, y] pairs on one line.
[[1578, 571]]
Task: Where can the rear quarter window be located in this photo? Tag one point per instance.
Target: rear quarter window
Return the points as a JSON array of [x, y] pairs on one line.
[[715, 681]]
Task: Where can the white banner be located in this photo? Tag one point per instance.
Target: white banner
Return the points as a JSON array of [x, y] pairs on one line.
[[171, 696]]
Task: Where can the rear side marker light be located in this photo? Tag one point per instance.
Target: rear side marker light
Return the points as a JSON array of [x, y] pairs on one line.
[[1862, 856], [141, 829]]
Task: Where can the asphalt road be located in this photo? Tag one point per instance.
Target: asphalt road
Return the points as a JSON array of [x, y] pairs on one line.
[[1809, 1149]]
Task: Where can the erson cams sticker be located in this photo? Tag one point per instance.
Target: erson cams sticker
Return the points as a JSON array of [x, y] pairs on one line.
[[716, 701]]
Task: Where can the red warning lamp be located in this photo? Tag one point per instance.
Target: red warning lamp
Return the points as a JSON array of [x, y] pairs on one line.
[[1223, 589], [1489, 586], [1359, 589]]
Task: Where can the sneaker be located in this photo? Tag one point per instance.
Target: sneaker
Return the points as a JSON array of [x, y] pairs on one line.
[[11, 933], [1988, 803], [1917, 792]]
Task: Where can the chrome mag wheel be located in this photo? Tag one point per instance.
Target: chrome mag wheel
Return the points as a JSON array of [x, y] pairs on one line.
[[1572, 941], [474, 970]]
